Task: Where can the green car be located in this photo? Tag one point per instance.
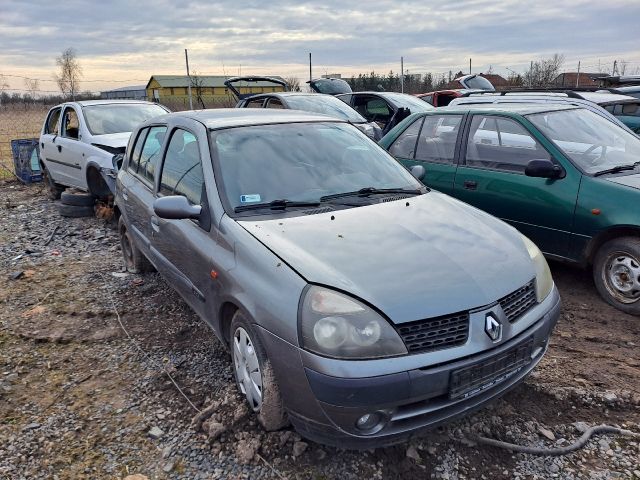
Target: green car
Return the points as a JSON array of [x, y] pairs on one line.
[[564, 176]]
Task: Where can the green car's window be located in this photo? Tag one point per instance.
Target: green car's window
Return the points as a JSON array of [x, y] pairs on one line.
[[151, 153], [499, 143], [437, 142], [182, 168], [405, 144], [591, 141]]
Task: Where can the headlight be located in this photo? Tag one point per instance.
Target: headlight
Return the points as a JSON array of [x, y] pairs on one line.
[[544, 282], [336, 325]]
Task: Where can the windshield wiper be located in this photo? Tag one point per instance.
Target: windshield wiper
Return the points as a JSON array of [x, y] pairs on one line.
[[616, 169], [364, 192], [275, 205]]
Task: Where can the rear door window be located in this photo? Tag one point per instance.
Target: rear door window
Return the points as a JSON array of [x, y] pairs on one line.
[[274, 103], [437, 142], [255, 103], [70, 124], [134, 160]]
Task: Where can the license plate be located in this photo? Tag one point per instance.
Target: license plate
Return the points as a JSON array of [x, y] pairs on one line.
[[472, 380]]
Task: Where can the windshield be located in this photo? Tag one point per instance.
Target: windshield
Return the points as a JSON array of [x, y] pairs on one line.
[[592, 142], [301, 162], [331, 86], [119, 117], [415, 104], [478, 82], [325, 104]]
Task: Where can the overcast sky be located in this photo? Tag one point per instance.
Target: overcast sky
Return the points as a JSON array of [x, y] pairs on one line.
[[123, 42]]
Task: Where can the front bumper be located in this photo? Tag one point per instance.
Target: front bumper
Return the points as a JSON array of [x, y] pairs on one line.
[[325, 408]]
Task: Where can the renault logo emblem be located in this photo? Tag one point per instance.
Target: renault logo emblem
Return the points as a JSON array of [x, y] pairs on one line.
[[493, 327]]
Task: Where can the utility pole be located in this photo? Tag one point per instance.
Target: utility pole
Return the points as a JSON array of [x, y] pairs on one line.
[[310, 76], [578, 77], [469, 66], [186, 58], [401, 74]]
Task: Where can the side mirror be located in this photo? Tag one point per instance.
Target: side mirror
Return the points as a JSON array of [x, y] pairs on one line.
[[175, 207], [418, 171], [543, 169]]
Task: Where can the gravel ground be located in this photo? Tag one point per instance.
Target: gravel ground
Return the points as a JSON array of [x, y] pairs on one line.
[[79, 399]]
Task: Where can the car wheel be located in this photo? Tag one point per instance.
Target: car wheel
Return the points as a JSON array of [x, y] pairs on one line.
[[75, 211], [53, 189], [134, 259], [79, 199], [254, 374], [616, 272]]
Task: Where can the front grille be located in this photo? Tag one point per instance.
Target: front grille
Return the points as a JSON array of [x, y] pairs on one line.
[[481, 376], [435, 333], [519, 302]]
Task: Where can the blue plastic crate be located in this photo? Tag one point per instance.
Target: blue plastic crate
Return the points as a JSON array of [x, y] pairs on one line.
[[26, 153]]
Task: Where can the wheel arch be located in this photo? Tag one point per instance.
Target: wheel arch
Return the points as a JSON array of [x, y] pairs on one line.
[[96, 184], [609, 234]]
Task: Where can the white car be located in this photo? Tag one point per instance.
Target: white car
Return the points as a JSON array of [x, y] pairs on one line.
[[81, 142]]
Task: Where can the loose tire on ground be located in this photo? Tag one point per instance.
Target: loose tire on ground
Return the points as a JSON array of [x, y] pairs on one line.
[[270, 413], [616, 273], [75, 211], [78, 199], [134, 259], [53, 189]]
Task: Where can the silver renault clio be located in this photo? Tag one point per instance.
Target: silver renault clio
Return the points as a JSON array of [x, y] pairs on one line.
[[357, 304]]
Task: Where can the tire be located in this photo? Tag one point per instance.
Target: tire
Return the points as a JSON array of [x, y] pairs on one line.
[[134, 259], [78, 199], [53, 189], [616, 273], [245, 343], [75, 211]]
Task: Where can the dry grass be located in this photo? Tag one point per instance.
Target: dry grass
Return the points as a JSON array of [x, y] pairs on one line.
[[18, 121]]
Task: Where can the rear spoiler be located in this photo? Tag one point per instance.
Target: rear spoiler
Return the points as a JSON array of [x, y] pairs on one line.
[[231, 81]]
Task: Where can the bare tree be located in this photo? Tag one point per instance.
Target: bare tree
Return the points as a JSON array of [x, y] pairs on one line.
[[68, 78], [293, 83], [32, 86], [197, 88], [3, 86], [543, 72]]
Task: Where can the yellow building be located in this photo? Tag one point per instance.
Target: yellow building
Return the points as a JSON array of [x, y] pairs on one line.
[[207, 91]]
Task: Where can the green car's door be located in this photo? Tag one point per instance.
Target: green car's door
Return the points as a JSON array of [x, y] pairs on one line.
[[431, 141], [496, 150]]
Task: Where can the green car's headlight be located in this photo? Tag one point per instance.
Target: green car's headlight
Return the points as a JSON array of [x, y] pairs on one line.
[[338, 326], [544, 282]]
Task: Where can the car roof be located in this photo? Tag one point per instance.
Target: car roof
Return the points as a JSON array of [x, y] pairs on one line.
[[87, 103], [519, 108], [606, 97], [239, 117], [632, 88]]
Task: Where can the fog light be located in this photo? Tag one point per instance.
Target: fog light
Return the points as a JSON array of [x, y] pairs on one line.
[[373, 422]]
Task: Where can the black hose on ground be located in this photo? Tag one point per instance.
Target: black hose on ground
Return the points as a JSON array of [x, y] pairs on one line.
[[558, 450]]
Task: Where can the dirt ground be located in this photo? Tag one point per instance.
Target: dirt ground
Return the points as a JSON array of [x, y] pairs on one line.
[[80, 399]]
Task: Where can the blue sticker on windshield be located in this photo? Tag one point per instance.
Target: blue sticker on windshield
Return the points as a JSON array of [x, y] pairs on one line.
[[250, 198]]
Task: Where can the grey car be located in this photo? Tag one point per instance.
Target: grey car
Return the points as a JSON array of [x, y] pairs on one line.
[[357, 304]]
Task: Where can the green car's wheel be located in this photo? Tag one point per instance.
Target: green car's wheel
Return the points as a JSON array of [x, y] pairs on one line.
[[616, 272]]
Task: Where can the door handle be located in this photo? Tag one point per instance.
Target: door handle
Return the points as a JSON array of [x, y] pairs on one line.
[[125, 193], [155, 224], [42, 145], [59, 148], [470, 184]]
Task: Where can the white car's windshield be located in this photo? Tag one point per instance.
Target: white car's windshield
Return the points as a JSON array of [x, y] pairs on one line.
[[118, 117], [302, 162], [325, 104], [592, 142], [414, 104]]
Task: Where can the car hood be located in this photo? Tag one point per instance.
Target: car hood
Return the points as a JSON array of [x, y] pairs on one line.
[[433, 257], [114, 140], [627, 180]]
